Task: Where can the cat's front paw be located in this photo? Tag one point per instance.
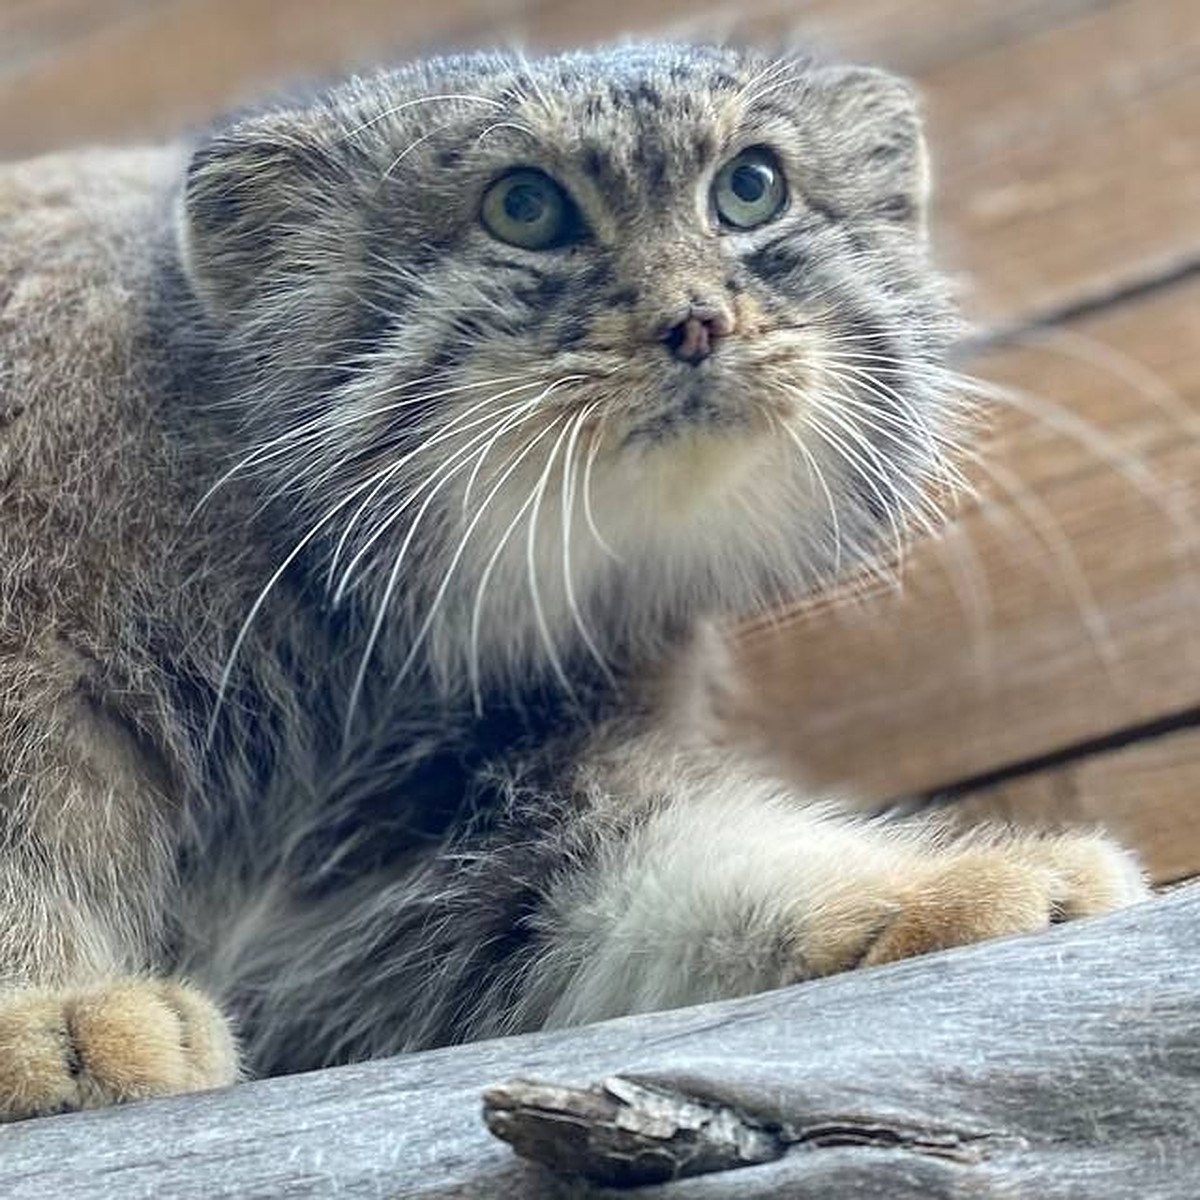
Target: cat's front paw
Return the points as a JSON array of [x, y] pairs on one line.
[[87, 1048], [1015, 886]]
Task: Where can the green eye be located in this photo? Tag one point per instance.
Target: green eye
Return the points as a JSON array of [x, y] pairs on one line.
[[527, 208], [749, 189]]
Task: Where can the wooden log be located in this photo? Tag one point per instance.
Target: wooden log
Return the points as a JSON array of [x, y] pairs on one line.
[[1060, 1065]]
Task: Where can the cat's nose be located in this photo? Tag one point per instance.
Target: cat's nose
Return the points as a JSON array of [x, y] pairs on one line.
[[690, 338]]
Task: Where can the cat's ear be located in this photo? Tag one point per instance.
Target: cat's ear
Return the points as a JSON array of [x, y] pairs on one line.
[[252, 192], [876, 119]]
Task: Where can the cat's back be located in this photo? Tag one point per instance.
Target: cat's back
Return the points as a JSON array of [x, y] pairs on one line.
[[47, 200], [75, 252], [81, 451]]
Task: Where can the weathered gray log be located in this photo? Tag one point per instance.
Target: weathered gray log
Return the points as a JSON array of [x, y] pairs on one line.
[[1061, 1065]]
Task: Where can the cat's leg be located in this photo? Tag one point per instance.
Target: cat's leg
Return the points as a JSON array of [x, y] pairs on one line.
[[741, 889], [648, 881], [85, 871]]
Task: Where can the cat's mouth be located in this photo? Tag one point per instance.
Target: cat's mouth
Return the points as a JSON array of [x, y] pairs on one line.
[[699, 405]]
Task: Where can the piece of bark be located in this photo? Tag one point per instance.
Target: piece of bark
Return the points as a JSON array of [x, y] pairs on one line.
[[621, 1133]]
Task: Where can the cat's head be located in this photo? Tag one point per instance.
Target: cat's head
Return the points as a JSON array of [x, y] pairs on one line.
[[546, 356]]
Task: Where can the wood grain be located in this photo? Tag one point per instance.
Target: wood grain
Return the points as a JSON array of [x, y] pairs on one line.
[[40, 28], [1038, 623], [1146, 793], [179, 64], [1056, 1065], [1068, 164]]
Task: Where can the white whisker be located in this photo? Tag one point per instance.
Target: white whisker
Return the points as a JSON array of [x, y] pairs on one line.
[[453, 459], [539, 612], [569, 481], [588, 515], [454, 429], [472, 478], [443, 588], [407, 104], [815, 473]]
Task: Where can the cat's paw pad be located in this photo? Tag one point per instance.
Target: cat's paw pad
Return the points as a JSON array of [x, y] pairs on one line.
[[87, 1048], [993, 891]]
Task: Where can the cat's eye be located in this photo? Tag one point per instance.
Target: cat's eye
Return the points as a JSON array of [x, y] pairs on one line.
[[750, 189], [527, 208]]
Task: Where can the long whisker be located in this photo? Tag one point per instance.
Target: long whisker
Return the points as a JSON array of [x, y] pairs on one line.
[[504, 428], [964, 571], [320, 426], [460, 455], [384, 605], [413, 145], [844, 400], [769, 73], [399, 108], [489, 568], [569, 480], [505, 125], [539, 612], [886, 426], [427, 624], [871, 475], [1130, 467], [588, 515], [1147, 383], [1047, 529], [261, 599], [458, 426], [936, 442], [815, 472]]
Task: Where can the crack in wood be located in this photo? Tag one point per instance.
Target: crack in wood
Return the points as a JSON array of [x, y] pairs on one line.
[[953, 1145]]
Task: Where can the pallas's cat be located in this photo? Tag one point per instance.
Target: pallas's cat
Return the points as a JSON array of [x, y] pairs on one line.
[[368, 470]]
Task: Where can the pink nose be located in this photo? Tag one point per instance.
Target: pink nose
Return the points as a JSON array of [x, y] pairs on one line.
[[691, 340]]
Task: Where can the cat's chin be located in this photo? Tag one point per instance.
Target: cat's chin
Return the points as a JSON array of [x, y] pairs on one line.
[[690, 464]]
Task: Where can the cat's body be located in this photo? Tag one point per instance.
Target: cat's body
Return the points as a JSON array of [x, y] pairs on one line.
[[306, 695]]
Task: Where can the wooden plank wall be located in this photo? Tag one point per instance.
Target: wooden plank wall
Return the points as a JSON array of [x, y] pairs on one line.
[[1043, 660]]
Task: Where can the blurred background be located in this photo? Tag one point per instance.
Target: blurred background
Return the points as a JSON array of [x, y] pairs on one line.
[[1042, 660]]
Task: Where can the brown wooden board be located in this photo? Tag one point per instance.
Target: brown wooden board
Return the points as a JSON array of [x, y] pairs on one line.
[[179, 64], [1068, 163], [30, 29], [909, 35]]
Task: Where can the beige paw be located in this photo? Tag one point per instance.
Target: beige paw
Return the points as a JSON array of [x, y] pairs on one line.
[[87, 1048], [1018, 886]]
